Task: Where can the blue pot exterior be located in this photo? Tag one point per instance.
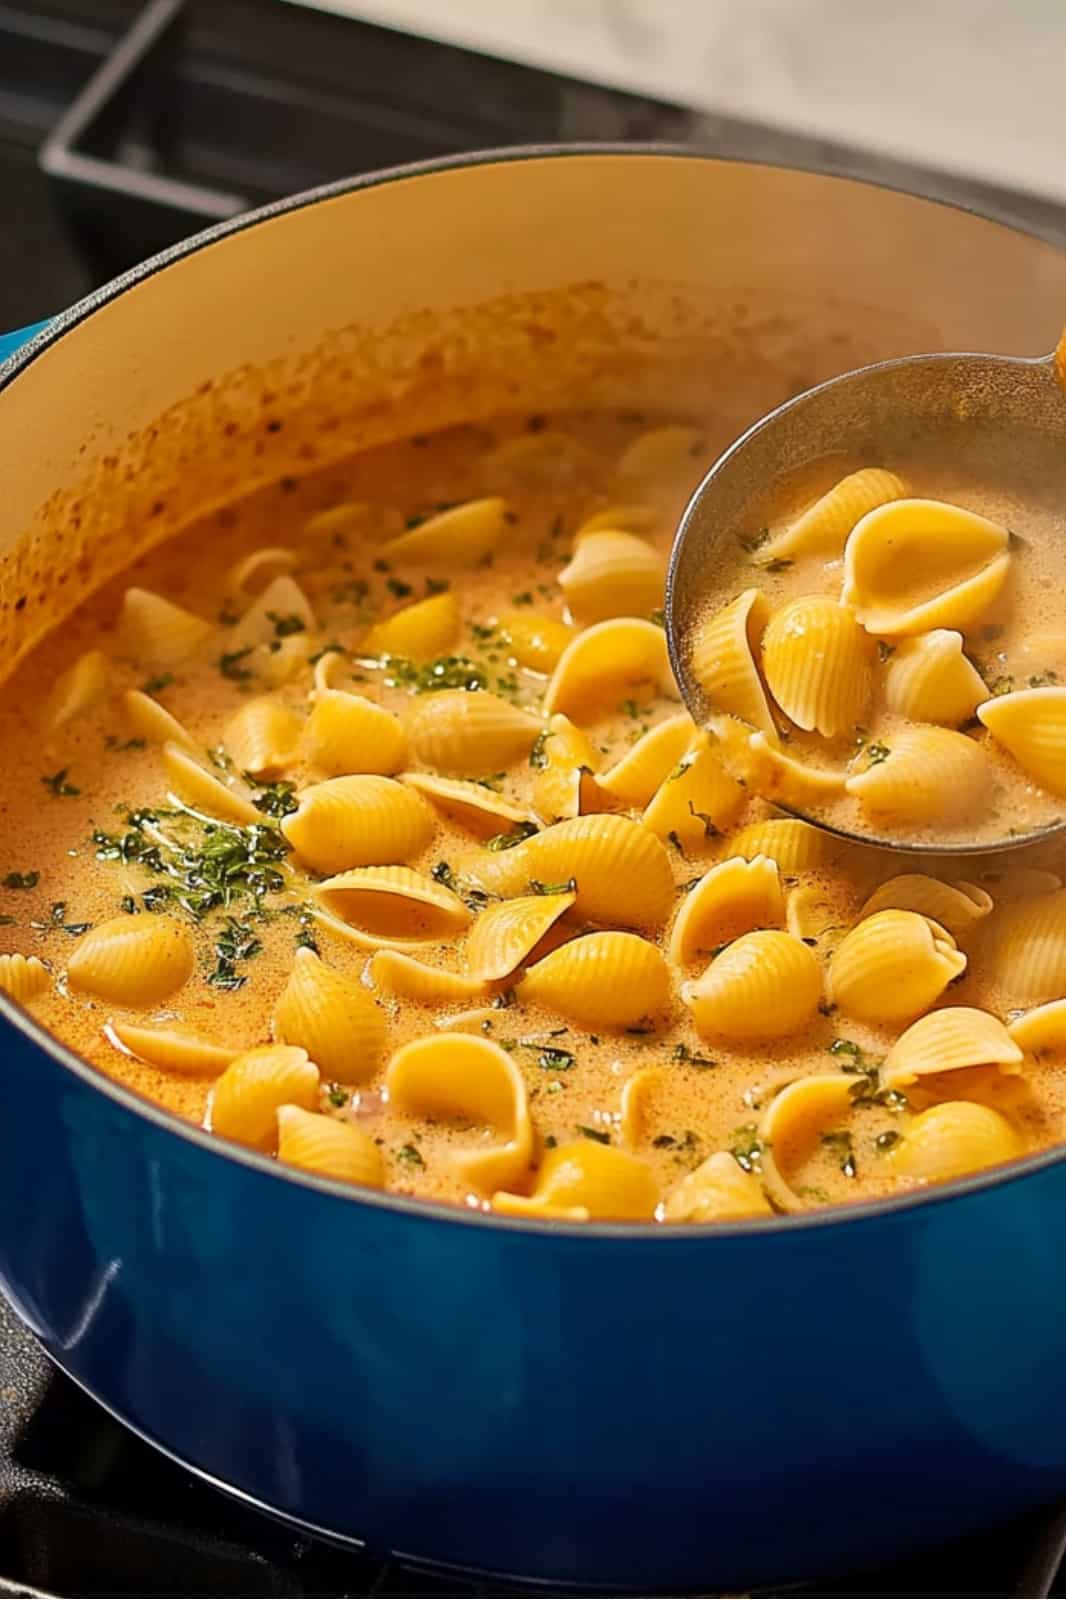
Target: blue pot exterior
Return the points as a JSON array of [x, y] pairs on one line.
[[596, 1407]]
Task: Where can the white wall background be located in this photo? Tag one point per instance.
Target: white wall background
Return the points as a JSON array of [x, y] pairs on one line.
[[973, 87]]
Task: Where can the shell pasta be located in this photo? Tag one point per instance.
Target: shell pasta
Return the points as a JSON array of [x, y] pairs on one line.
[[367, 830]]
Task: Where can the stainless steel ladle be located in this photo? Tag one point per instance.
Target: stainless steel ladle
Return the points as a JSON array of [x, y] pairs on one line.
[[969, 406]]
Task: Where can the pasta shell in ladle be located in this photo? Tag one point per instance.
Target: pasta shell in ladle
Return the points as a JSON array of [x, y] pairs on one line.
[[928, 772], [913, 565], [930, 679], [818, 665], [724, 657], [1031, 725]]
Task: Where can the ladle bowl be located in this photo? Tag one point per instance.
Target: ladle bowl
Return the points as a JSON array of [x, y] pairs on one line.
[[966, 407]]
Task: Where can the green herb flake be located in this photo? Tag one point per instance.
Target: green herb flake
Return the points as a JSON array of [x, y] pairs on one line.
[[746, 1148], [592, 1133], [523, 599], [113, 742], [447, 672], [1043, 680], [236, 942], [22, 880], [885, 650], [841, 1149], [691, 1058], [411, 1154], [229, 664], [778, 564], [158, 684], [397, 587], [876, 753], [753, 541], [538, 757], [276, 799], [338, 1096], [58, 785], [885, 1141], [569, 887], [552, 1057], [507, 841], [285, 626]]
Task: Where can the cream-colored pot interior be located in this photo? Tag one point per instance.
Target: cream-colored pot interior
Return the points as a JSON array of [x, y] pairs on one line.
[[446, 294]]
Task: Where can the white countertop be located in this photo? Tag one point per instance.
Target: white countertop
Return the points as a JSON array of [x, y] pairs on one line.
[[971, 87]]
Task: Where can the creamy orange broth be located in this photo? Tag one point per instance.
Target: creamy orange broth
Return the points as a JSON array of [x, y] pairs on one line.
[[62, 788]]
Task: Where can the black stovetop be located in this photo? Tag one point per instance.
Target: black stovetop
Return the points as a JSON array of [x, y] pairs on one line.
[[124, 126]]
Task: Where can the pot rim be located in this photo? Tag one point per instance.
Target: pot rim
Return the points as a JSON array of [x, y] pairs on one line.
[[434, 1210]]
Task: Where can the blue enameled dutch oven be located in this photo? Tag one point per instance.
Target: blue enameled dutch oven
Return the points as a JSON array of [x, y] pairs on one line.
[[609, 1405]]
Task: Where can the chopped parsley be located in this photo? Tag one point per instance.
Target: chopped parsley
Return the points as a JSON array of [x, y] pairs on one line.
[[746, 1148], [691, 1058], [284, 626], [446, 672], [157, 684], [276, 799], [58, 785], [1004, 684], [710, 827], [552, 1057], [229, 664], [592, 1133], [1042, 680], [885, 650], [538, 757], [886, 1140], [523, 599], [397, 587], [841, 1149], [569, 887], [876, 753], [507, 841], [753, 541], [338, 1096], [411, 1154], [778, 564], [22, 880], [113, 742], [236, 942]]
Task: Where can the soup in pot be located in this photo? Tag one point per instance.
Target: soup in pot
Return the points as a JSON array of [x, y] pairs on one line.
[[363, 824]]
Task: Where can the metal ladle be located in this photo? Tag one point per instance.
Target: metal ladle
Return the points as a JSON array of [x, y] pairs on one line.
[[969, 406]]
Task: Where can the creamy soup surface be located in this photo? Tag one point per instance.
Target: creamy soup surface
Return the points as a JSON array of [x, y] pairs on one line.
[[703, 1010]]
